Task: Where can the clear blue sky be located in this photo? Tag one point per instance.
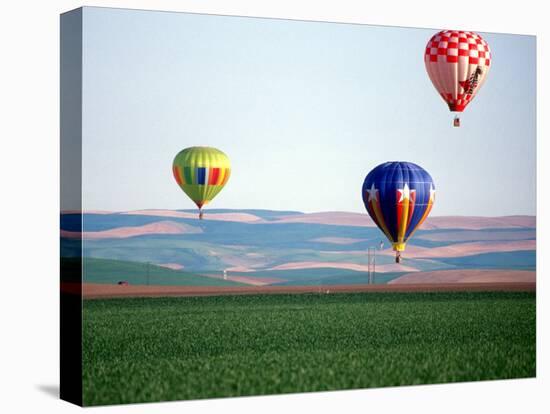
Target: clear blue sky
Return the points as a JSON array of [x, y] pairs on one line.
[[304, 110]]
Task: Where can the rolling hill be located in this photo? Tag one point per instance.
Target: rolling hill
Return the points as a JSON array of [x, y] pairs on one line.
[[284, 247], [136, 273]]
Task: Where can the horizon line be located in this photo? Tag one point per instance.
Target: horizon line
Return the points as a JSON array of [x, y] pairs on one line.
[[191, 210]]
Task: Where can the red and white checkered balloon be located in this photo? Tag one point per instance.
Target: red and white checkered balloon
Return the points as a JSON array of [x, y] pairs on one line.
[[458, 63]]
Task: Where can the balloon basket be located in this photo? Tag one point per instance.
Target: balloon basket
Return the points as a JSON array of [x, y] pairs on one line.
[[456, 122]]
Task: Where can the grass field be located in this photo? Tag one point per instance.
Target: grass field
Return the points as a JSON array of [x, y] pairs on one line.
[[152, 349], [111, 271]]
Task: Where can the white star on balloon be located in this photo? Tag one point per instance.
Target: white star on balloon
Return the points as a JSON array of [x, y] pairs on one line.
[[404, 193], [373, 193]]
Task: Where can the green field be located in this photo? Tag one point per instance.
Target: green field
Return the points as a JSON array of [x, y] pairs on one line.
[[152, 349], [135, 273]]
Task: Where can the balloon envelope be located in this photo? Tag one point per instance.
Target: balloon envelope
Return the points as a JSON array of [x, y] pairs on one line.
[[201, 172], [398, 196], [457, 63]]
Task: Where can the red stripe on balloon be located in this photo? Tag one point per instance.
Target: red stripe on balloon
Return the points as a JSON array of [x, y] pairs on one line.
[[177, 175], [372, 214], [214, 174], [411, 206], [399, 211]]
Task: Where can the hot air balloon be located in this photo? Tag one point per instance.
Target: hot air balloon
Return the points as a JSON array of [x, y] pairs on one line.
[[398, 196], [201, 172], [457, 63]]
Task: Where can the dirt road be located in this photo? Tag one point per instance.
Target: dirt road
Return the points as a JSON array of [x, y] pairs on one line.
[[98, 291]]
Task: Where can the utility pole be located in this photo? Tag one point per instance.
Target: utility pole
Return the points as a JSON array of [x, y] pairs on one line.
[[371, 261]]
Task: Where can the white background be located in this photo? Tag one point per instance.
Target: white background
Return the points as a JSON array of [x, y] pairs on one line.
[[29, 176]]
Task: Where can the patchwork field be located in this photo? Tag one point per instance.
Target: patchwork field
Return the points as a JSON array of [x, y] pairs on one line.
[[285, 248], [152, 349], [467, 276]]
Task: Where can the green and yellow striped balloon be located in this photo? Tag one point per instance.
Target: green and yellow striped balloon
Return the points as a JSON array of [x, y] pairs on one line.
[[201, 172]]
